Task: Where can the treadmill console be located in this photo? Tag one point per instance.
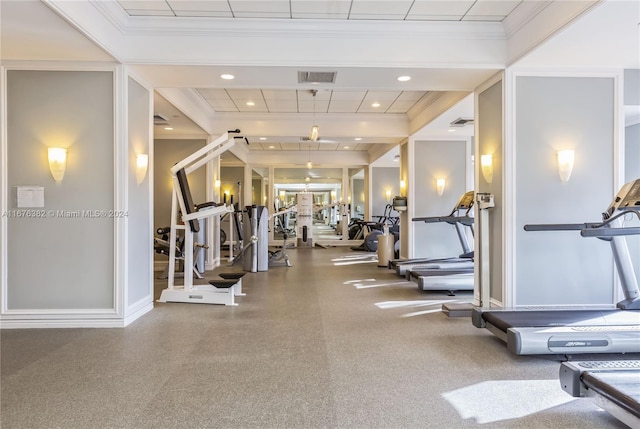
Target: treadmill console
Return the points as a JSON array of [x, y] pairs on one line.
[[628, 198], [466, 201]]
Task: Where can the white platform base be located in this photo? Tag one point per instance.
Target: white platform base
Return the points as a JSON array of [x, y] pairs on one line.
[[204, 294]]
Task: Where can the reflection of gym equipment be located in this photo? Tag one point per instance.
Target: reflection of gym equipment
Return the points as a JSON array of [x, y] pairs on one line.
[[370, 230], [580, 331], [161, 246], [279, 257], [455, 273], [218, 291], [460, 219]]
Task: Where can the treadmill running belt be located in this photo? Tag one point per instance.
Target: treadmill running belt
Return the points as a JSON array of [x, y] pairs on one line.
[[622, 388], [504, 320]]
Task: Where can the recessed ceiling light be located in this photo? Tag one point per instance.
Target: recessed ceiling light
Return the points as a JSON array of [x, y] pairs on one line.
[[404, 78], [262, 138], [250, 103], [376, 104], [168, 128], [227, 76], [346, 147], [451, 130], [358, 139], [271, 147]]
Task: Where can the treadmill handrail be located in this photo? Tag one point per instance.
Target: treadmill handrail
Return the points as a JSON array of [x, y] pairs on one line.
[[558, 226], [610, 232], [465, 220]]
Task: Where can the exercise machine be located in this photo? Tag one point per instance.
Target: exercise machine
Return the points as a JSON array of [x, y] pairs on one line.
[[580, 331], [614, 386], [460, 218], [217, 291], [481, 291]]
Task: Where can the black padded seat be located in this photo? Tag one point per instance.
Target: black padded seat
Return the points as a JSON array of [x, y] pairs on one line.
[[223, 284], [232, 276]]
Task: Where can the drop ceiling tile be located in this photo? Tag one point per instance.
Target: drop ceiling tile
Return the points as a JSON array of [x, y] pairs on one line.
[[381, 96], [493, 8], [332, 9], [367, 108], [223, 106], [344, 106], [282, 106], [214, 94], [438, 8], [308, 106], [400, 107], [410, 95], [199, 5], [348, 95], [260, 9], [144, 5], [291, 146], [187, 13], [270, 94], [375, 9]]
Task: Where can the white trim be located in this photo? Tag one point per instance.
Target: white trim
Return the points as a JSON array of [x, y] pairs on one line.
[[121, 191], [60, 313], [137, 310], [508, 190], [131, 309], [4, 198]]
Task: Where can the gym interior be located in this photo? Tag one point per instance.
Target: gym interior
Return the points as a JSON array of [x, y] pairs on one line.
[[305, 214]]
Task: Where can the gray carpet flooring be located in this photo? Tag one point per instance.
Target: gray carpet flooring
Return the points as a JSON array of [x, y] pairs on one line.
[[331, 342]]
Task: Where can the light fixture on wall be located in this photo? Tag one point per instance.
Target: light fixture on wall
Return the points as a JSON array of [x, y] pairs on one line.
[[216, 184], [387, 194], [57, 162], [142, 164], [403, 187], [565, 163], [486, 166], [440, 183], [282, 194]]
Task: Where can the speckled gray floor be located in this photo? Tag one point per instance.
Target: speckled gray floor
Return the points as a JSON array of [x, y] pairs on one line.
[[332, 342]]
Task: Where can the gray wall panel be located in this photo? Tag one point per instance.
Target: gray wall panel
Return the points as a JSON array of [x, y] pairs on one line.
[[490, 141], [62, 262], [433, 160], [555, 113], [140, 232]]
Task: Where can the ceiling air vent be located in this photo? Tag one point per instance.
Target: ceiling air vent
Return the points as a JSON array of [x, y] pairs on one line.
[[160, 120], [316, 77], [461, 122]]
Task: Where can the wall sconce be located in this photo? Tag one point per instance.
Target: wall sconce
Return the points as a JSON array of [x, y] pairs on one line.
[[57, 162], [387, 194], [565, 163], [142, 164], [282, 195], [440, 186], [486, 166], [216, 184]]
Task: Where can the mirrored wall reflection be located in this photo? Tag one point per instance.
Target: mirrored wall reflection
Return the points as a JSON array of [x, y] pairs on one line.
[[326, 186]]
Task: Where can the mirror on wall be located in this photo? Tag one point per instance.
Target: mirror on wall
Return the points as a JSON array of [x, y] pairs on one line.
[[326, 186]]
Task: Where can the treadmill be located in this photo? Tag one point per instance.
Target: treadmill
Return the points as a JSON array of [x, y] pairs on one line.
[[459, 218], [580, 331], [613, 385]]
